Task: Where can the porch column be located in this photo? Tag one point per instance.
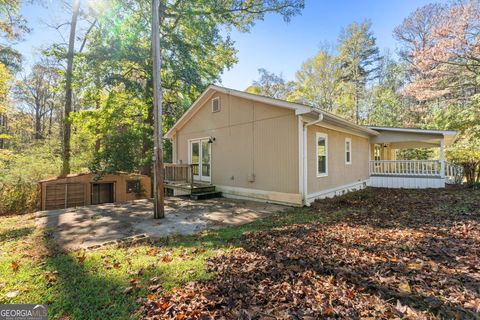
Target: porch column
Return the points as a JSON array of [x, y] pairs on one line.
[[442, 158]]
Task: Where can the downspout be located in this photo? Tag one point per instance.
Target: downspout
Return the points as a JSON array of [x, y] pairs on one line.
[[304, 157]]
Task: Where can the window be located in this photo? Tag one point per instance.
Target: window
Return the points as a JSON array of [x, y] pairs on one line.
[[322, 155], [348, 151], [133, 186], [216, 104]]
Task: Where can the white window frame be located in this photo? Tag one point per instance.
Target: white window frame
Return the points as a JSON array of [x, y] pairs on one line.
[[349, 141], [219, 105], [325, 136]]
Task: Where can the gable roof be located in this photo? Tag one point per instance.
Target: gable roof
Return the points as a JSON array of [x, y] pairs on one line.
[[300, 109]]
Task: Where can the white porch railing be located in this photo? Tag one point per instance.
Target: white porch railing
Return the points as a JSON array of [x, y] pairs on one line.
[[453, 173], [408, 168], [428, 168]]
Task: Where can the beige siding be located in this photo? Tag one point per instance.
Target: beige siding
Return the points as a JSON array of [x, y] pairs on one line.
[[251, 139], [339, 173]]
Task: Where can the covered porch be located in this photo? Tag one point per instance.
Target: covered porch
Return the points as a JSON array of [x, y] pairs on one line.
[[388, 171]]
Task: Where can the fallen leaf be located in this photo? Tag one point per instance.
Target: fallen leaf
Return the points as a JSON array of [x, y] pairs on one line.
[[14, 265], [405, 287], [152, 296]]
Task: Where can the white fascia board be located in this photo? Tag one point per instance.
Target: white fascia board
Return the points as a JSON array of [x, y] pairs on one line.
[[443, 132]]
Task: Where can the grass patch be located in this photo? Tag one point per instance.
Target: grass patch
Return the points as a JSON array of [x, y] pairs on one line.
[[92, 285]]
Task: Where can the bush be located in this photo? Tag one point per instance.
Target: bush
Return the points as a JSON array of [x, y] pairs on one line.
[[20, 173], [19, 197], [468, 156]]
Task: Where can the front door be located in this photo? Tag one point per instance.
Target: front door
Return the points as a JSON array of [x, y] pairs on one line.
[[200, 158]]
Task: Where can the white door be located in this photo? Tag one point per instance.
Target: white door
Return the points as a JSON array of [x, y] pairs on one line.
[[201, 156]]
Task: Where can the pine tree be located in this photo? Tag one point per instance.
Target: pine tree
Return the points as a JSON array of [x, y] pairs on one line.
[[359, 58]]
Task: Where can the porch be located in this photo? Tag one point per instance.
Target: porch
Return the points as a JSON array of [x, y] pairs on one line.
[[389, 172]]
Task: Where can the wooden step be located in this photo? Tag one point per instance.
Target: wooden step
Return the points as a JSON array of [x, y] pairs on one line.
[[205, 195], [203, 189]]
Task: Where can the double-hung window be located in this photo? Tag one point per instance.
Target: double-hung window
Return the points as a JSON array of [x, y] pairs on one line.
[[348, 151], [322, 155]]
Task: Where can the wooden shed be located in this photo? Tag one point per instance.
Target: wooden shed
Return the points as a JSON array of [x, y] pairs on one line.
[[87, 188]]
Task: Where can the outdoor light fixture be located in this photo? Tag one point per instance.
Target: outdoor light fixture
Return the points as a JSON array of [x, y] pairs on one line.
[[211, 139]]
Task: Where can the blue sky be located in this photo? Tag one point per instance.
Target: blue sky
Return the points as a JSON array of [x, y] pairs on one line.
[[272, 44]]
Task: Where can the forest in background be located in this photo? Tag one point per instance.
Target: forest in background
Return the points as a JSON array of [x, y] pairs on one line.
[[432, 82]]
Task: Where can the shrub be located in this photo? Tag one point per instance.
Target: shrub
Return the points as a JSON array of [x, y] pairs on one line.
[[468, 156], [19, 197], [20, 173]]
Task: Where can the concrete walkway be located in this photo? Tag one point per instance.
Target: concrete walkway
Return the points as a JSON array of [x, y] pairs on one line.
[[84, 227]]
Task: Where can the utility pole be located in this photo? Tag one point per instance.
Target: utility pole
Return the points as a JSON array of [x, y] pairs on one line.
[[157, 114], [67, 127]]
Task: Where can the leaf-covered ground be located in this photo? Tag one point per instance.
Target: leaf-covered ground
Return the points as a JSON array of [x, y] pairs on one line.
[[376, 254]]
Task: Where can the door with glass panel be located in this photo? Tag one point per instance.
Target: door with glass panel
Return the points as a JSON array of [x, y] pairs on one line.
[[200, 158]]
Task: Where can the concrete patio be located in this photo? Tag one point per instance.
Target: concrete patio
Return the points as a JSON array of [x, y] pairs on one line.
[[90, 226]]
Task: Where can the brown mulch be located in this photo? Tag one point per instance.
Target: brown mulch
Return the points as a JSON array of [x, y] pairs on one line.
[[391, 254]]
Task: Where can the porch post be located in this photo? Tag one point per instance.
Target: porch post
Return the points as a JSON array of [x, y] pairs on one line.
[[442, 158]]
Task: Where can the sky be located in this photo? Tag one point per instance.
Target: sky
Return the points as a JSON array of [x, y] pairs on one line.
[[272, 44]]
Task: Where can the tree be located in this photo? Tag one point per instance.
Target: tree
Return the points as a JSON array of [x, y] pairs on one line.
[[194, 54], [318, 82], [68, 90], [12, 24], [358, 57], [415, 30], [448, 60], [386, 105], [271, 85], [39, 92], [5, 79], [466, 149], [12, 27]]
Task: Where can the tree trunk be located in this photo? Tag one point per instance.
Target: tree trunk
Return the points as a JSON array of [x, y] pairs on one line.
[[68, 90], [38, 125], [97, 130], [50, 121]]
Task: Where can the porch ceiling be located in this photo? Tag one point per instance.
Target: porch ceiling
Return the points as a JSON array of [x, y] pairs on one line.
[[400, 138]]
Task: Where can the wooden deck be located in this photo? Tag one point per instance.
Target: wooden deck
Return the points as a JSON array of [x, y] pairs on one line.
[[180, 177]]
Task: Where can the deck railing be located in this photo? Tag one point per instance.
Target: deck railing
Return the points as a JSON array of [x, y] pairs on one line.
[[178, 173], [405, 167]]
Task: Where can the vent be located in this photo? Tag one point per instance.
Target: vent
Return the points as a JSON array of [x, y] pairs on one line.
[[216, 104]]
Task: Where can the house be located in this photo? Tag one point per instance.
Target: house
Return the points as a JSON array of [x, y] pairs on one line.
[[87, 188], [255, 147]]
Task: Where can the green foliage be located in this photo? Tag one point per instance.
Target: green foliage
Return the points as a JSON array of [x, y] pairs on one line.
[[5, 84], [114, 74], [466, 150], [318, 82], [415, 154], [12, 24], [20, 173], [358, 57], [117, 128]]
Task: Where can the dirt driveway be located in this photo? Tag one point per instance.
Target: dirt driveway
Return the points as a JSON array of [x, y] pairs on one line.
[[90, 226]]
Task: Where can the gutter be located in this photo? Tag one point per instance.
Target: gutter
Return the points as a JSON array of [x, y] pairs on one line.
[[304, 157]]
